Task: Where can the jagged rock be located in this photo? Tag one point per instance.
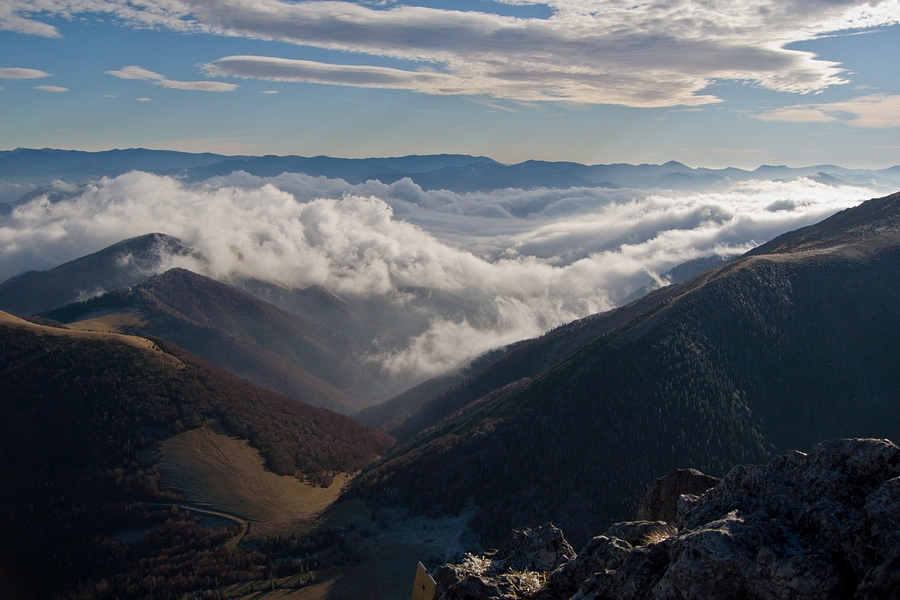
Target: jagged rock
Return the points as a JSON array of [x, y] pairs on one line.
[[605, 553], [660, 503], [518, 569], [823, 525], [540, 549]]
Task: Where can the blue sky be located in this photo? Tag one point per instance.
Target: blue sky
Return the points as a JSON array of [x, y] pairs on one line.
[[708, 83]]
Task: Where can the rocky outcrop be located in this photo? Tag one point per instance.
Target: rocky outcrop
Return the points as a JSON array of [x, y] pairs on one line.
[[807, 526]]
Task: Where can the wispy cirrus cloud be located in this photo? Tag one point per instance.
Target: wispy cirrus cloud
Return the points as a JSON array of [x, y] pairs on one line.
[[878, 111], [282, 69], [55, 89], [135, 72], [646, 54], [21, 73]]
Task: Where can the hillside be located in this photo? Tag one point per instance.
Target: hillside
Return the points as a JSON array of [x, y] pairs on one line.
[[238, 332], [82, 416], [791, 344]]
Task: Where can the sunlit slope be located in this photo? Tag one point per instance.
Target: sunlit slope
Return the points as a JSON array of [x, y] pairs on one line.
[[796, 342], [214, 469]]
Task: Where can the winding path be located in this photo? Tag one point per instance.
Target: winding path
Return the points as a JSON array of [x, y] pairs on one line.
[[242, 521]]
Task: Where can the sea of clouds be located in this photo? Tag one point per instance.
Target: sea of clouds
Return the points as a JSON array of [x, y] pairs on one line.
[[518, 262]]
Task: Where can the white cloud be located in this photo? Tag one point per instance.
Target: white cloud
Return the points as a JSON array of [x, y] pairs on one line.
[[588, 51], [20, 73], [135, 72], [877, 111], [510, 264], [144, 99], [280, 69], [51, 88], [16, 16]]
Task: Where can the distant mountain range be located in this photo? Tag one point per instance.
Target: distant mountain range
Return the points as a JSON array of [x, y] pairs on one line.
[[33, 169], [793, 343]]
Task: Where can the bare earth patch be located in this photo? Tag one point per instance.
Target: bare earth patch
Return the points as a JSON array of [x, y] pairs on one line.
[[226, 473]]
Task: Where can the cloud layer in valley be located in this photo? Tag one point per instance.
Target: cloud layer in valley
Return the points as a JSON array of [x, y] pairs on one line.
[[605, 52], [512, 263]]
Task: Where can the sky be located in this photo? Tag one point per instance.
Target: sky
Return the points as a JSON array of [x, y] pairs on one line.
[[705, 82]]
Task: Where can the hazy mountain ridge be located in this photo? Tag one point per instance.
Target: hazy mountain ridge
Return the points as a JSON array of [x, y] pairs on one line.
[[239, 332], [125, 263], [782, 348], [454, 172], [326, 308], [82, 166], [351, 170]]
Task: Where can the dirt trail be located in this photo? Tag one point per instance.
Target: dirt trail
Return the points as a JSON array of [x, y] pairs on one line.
[[231, 543]]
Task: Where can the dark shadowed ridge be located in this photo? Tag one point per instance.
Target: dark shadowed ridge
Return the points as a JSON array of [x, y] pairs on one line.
[[125, 263], [423, 405], [794, 343]]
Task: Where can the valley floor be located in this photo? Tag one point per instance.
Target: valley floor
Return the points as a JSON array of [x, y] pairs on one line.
[[221, 474]]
